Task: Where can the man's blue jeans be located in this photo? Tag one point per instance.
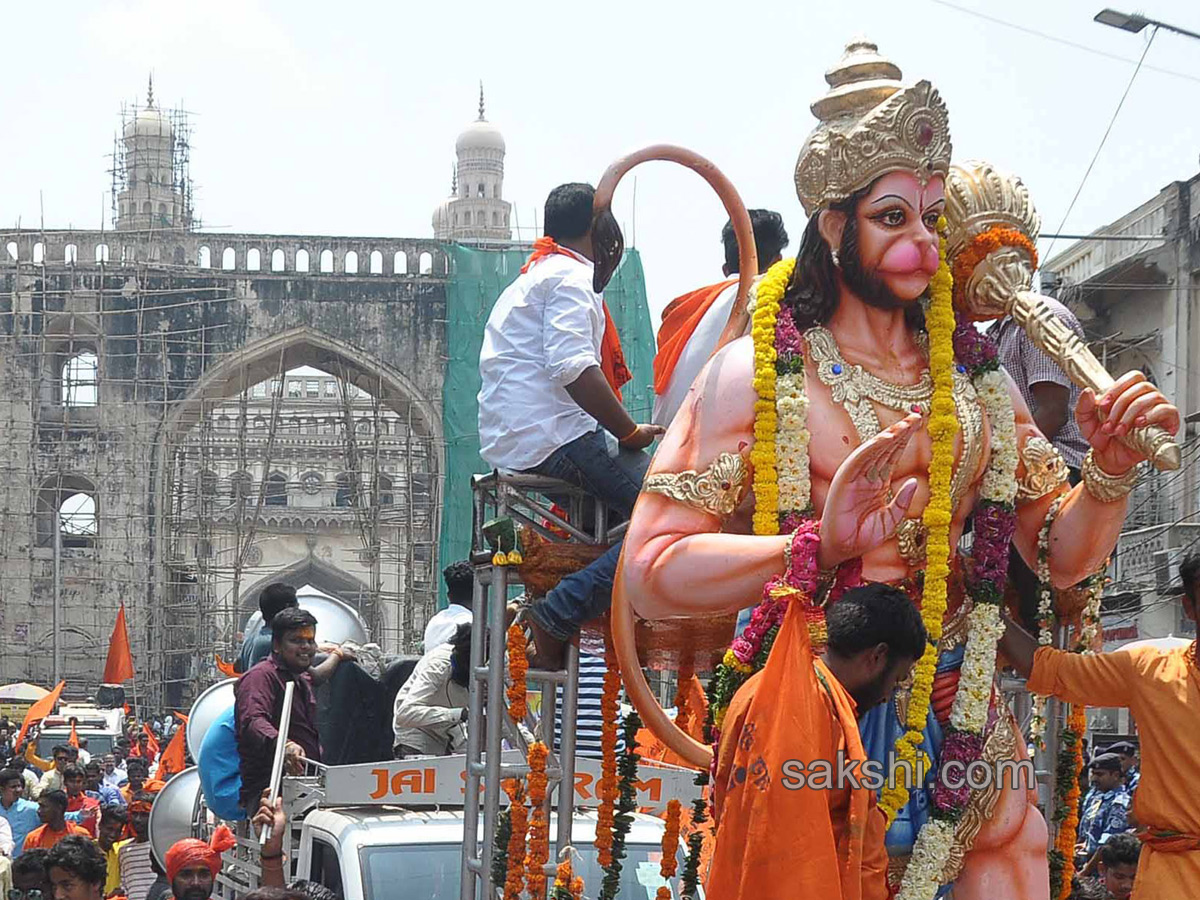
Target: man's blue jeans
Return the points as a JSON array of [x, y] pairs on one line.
[[614, 479]]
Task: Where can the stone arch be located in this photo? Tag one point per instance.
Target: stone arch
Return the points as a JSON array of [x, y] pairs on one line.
[[350, 262], [228, 259], [278, 260], [425, 263], [376, 263], [323, 576], [326, 261], [400, 263], [301, 260], [253, 259]]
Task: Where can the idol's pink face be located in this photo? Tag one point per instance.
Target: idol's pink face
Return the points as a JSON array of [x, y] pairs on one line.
[[897, 232]]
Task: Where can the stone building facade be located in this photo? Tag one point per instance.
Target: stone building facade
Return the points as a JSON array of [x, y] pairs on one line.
[[1133, 286], [155, 454]]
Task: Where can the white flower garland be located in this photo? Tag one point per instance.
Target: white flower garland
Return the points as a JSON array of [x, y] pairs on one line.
[[1037, 721], [970, 709], [791, 443], [923, 876], [935, 840]]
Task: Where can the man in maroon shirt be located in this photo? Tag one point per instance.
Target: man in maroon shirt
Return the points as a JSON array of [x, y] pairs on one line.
[[259, 702]]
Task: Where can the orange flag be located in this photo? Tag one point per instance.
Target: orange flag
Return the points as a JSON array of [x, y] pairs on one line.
[[73, 740], [119, 665], [225, 668], [39, 711], [173, 759], [152, 746]]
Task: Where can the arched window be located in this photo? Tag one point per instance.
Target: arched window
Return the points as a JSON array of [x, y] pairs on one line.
[[253, 259], [376, 262], [400, 263], [301, 260], [240, 485], [496, 190], [11, 247], [78, 385], [326, 260], [39, 253], [146, 208], [495, 218], [207, 483], [467, 217], [70, 254], [162, 213], [102, 253], [350, 264], [363, 426], [426, 263], [229, 259], [345, 490], [383, 490], [70, 502], [204, 258], [277, 260], [482, 191], [277, 490]]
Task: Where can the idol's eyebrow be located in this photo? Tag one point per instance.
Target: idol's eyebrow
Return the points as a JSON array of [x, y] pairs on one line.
[[892, 197]]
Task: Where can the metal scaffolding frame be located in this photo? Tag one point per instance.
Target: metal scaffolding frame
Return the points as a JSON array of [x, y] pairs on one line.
[[515, 496]]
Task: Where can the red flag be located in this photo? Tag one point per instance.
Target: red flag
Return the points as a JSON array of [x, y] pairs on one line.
[[225, 668], [173, 759], [73, 740], [119, 665], [152, 746], [39, 711]]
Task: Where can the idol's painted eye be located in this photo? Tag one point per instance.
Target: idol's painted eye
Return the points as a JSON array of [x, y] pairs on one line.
[[931, 220], [890, 218]]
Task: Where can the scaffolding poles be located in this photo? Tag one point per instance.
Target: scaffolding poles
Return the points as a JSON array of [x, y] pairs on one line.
[[500, 496]]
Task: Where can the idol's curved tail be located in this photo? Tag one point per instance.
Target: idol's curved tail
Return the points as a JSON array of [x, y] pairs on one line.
[[609, 244]]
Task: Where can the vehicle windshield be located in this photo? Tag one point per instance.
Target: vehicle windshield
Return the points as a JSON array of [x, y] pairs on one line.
[[97, 744], [432, 872]]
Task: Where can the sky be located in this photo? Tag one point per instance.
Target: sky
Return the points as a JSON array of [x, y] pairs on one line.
[[321, 118]]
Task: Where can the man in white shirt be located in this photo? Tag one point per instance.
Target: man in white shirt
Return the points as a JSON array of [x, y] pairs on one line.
[[547, 406], [460, 585], [430, 713]]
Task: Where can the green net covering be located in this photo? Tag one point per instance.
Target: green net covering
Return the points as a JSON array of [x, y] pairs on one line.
[[477, 279]]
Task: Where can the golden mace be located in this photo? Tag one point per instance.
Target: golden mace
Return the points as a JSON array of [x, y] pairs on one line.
[[980, 197]]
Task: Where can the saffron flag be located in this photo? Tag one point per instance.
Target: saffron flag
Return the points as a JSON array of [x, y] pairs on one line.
[[174, 759], [73, 740], [39, 711], [119, 665], [225, 668], [152, 745]]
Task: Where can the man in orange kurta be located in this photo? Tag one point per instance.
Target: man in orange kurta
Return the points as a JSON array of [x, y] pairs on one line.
[[1162, 690], [780, 836]]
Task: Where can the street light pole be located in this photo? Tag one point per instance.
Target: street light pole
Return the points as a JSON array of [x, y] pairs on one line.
[[1135, 22]]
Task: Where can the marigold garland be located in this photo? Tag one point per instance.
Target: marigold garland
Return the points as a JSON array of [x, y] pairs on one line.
[[683, 714], [606, 788], [610, 886], [1066, 803], [561, 889], [943, 426], [518, 665], [689, 880], [762, 454], [977, 251], [539, 826], [519, 823], [670, 848]]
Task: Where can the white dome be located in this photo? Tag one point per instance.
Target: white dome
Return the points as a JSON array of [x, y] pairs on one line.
[[150, 122], [480, 135], [441, 217]]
